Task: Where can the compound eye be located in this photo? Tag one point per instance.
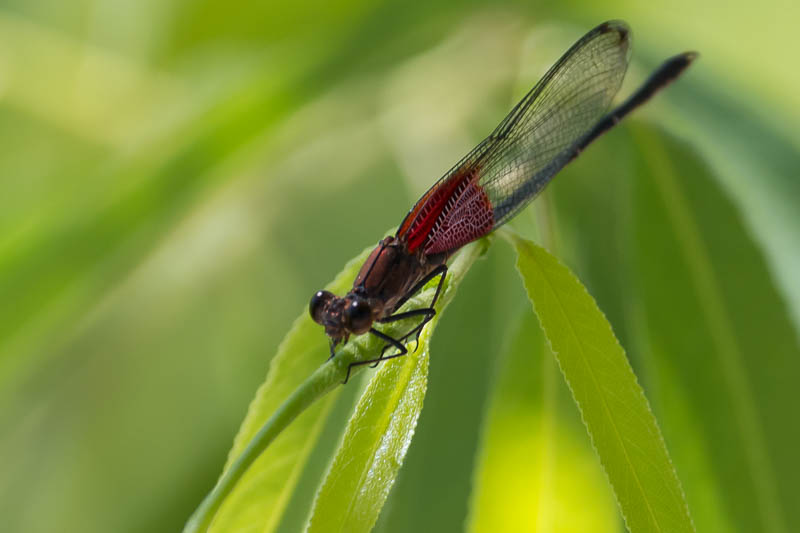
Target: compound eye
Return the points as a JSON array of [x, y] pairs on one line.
[[358, 316], [318, 303]]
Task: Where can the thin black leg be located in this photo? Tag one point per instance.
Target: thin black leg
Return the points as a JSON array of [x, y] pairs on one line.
[[441, 270], [333, 349], [428, 313], [394, 342]]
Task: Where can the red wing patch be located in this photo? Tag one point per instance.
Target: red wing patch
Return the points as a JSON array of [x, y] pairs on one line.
[[417, 226], [468, 218], [451, 214]]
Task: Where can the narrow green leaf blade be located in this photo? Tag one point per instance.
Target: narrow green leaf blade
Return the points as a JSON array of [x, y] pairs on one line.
[[375, 445], [433, 491], [380, 431], [724, 353], [536, 470], [260, 496], [613, 406]]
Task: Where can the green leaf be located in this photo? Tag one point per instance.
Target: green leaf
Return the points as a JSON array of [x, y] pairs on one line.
[[536, 466], [724, 356], [754, 164], [261, 494], [612, 404], [434, 487], [380, 431]]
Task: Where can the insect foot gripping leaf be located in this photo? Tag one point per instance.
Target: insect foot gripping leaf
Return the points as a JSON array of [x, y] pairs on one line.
[[613, 406], [378, 435]]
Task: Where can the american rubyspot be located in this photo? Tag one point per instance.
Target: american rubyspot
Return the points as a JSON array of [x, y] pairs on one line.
[[563, 113]]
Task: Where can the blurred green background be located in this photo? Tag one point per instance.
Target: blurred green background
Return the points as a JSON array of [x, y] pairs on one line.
[[177, 178]]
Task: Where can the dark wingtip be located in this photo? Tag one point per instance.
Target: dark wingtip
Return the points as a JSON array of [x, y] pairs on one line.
[[619, 26]]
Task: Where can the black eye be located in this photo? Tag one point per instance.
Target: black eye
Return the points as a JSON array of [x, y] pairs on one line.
[[317, 305], [358, 316]]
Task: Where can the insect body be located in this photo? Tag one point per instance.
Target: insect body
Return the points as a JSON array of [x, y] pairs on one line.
[[564, 112]]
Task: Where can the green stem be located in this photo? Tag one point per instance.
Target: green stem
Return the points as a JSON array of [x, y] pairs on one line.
[[317, 385]]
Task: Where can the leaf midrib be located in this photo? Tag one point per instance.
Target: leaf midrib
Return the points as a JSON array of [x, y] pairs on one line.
[[597, 387], [722, 336]]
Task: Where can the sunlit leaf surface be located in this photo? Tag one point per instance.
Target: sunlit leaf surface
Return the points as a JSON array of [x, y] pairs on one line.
[[380, 431], [612, 404], [537, 470]]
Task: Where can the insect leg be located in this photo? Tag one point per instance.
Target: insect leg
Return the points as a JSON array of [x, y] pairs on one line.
[[429, 312], [441, 270], [394, 342]]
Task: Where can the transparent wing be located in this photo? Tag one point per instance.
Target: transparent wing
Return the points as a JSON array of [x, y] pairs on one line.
[[505, 171], [534, 142]]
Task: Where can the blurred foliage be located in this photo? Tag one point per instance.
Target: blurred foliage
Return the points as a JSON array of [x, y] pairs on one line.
[[534, 451], [179, 177]]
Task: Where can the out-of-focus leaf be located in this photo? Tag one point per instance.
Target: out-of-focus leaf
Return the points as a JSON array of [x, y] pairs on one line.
[[65, 258], [536, 469], [377, 437], [724, 354], [614, 408], [755, 165], [258, 500]]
